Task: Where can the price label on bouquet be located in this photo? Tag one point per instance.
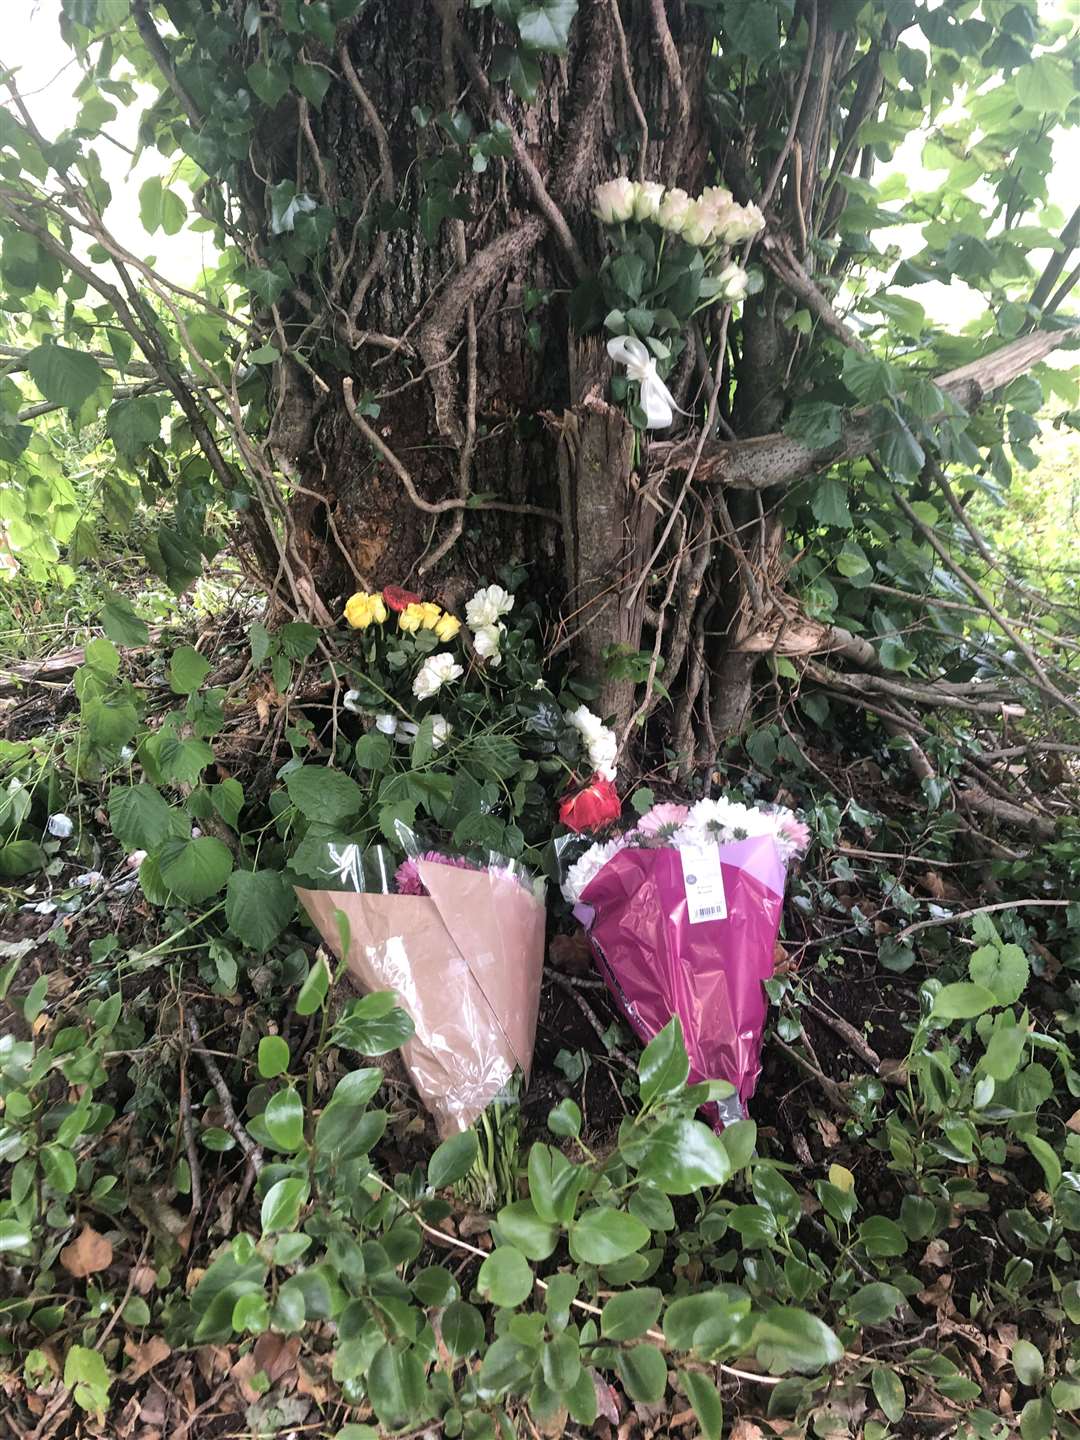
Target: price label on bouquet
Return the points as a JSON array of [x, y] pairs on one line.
[[704, 881]]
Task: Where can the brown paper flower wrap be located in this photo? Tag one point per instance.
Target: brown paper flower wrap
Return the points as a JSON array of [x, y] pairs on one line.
[[465, 961]]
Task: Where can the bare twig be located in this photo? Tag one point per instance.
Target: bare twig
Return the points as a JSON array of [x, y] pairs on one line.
[[565, 983], [978, 910], [628, 83], [232, 1121]]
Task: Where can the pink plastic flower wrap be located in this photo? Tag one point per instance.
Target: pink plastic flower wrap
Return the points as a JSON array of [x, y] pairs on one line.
[[459, 941], [683, 915]]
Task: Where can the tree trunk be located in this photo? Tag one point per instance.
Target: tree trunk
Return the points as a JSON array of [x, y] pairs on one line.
[[457, 342]]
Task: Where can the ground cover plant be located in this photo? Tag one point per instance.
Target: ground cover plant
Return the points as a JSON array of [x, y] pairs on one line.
[[570, 412]]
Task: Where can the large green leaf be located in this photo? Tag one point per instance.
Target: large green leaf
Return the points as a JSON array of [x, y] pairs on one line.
[[505, 1278], [546, 26], [66, 377], [663, 1067], [194, 869], [603, 1235], [679, 1157], [141, 818], [790, 1339], [324, 794], [1002, 969], [258, 905]]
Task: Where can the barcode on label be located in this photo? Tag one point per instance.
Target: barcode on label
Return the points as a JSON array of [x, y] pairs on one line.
[[711, 912]]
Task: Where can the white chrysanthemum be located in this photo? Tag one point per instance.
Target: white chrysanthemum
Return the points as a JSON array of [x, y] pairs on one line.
[[601, 743], [488, 606], [436, 671], [584, 871]]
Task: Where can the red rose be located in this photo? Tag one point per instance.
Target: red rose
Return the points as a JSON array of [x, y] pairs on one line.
[[592, 808], [397, 598]]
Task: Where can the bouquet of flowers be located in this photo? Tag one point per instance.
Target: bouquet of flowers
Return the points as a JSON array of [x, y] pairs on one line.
[[682, 914], [461, 942]]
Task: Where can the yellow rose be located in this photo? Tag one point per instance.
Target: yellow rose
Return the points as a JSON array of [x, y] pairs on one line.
[[411, 618], [447, 627], [432, 613], [361, 609]]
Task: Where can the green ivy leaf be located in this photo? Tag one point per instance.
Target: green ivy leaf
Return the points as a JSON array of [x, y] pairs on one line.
[[269, 82], [546, 27]]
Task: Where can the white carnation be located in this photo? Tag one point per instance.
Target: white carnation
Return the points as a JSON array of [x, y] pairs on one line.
[[436, 671]]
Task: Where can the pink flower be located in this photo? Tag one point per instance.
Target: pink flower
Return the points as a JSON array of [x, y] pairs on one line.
[[795, 832], [663, 820], [407, 878]]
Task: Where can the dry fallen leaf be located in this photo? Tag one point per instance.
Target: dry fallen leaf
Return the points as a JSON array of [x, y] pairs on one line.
[[933, 884], [88, 1253], [936, 1255], [144, 1357], [746, 1430], [1073, 1122]]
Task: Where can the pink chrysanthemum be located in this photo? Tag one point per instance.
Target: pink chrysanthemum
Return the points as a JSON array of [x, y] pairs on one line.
[[407, 879], [663, 820], [795, 832]]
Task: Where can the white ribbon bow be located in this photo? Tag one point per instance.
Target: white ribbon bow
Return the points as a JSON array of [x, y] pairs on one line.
[[656, 399]]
